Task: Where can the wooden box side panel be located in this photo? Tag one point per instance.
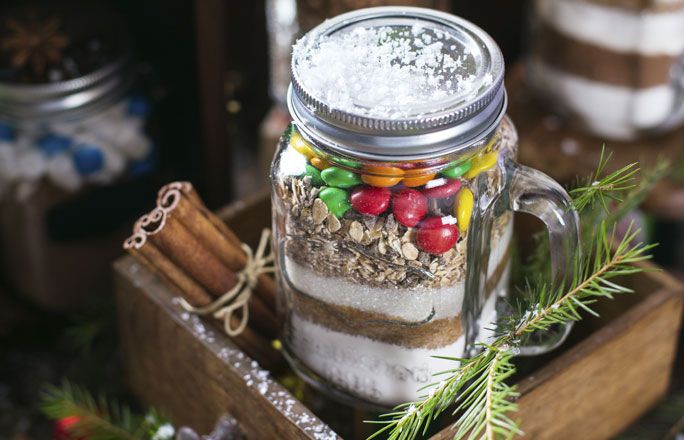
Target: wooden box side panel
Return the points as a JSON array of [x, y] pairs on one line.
[[153, 371], [194, 374]]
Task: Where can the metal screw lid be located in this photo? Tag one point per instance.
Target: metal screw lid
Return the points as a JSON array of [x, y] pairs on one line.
[[397, 81], [65, 100]]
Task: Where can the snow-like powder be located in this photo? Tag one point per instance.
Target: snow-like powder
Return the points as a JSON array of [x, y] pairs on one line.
[[387, 72]]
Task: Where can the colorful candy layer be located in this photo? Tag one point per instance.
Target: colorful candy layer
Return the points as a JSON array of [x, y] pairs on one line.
[[407, 192]]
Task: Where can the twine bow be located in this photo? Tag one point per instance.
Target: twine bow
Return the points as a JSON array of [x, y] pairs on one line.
[[238, 297]]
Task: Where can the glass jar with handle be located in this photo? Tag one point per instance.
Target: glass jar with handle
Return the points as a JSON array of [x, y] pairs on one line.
[[393, 193]]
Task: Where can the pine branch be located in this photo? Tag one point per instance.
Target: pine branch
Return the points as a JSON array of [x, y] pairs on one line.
[[497, 399], [100, 419], [477, 387], [634, 198], [603, 189], [593, 281]]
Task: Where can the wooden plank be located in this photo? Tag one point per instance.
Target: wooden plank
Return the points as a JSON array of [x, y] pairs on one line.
[[602, 385], [173, 360]]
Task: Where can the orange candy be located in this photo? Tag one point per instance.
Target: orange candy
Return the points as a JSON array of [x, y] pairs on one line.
[[319, 163], [382, 176], [417, 178]]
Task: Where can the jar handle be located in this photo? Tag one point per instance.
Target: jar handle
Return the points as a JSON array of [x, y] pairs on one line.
[[533, 192]]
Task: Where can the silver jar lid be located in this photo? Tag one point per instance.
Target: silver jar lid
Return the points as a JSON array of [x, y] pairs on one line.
[[397, 82], [65, 100]]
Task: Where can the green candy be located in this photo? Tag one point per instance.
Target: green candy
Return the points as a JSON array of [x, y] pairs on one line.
[[347, 162], [315, 175], [458, 170], [340, 178], [336, 200]]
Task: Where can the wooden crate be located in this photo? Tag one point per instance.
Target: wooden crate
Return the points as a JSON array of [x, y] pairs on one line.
[[610, 371]]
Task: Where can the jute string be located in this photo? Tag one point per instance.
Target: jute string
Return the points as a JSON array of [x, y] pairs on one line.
[[237, 298]]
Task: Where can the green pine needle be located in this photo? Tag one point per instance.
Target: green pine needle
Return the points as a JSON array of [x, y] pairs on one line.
[[477, 387], [483, 400], [601, 190], [98, 419]]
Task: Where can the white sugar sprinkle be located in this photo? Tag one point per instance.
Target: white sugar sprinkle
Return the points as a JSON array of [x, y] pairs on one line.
[[388, 72]]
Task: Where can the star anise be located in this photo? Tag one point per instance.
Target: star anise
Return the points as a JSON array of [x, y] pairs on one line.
[[34, 43]]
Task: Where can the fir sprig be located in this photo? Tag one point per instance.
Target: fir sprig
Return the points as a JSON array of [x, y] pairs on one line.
[[102, 418], [601, 190], [633, 198], [477, 388], [491, 400]]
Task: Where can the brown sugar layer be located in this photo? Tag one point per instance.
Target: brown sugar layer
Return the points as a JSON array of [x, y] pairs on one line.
[[429, 334], [601, 64]]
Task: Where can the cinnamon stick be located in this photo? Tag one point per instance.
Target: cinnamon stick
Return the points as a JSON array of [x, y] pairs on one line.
[[221, 241], [175, 241], [189, 191], [146, 253], [149, 255], [203, 229], [194, 251], [193, 257]]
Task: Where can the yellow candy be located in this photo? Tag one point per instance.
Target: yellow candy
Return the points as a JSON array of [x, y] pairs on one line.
[[302, 146], [463, 209], [482, 163], [319, 163]]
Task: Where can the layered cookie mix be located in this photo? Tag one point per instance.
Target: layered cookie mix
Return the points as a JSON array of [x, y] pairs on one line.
[[374, 265]]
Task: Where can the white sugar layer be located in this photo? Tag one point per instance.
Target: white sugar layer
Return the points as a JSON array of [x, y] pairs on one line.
[[376, 371]]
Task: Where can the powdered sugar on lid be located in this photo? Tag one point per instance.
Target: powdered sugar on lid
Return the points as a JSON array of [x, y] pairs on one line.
[[390, 72]]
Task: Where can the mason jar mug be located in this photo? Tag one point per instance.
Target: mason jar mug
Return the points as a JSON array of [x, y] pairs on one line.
[[393, 193]]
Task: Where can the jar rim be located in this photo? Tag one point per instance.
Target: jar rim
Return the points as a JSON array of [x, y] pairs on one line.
[[406, 148]]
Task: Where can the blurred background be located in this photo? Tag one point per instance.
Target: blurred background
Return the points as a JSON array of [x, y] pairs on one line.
[[103, 102]]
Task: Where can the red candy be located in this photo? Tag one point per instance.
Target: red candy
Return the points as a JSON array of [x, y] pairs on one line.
[[436, 235], [370, 200], [442, 188], [63, 428], [409, 207]]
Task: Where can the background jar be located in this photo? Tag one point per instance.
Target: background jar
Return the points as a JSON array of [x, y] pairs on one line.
[[616, 68], [74, 145], [392, 218]]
